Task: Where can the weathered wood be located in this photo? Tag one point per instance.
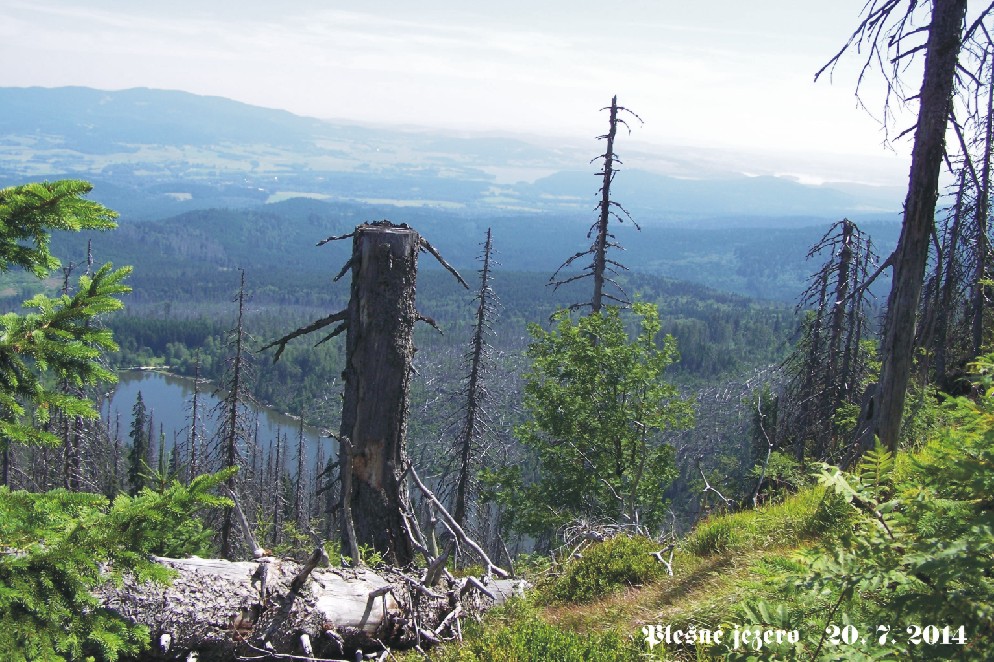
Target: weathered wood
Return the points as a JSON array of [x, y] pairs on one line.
[[911, 254], [379, 351], [457, 530], [220, 609], [379, 348]]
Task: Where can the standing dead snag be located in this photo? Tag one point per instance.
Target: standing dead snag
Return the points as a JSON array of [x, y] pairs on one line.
[[231, 435], [911, 254], [606, 208], [887, 32], [379, 351], [828, 365], [476, 392], [379, 325]]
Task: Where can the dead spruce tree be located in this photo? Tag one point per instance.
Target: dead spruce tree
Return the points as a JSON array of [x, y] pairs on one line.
[[379, 325], [941, 288], [601, 266], [974, 126], [946, 332], [891, 34], [232, 432], [470, 428], [829, 364], [955, 308], [277, 609], [475, 423]]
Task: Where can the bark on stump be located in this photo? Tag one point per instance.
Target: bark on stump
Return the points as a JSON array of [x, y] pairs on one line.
[[911, 254], [379, 320], [379, 351]]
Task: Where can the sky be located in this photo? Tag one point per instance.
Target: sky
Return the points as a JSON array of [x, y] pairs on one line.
[[718, 74]]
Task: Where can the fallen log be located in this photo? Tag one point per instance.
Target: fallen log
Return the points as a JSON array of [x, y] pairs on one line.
[[275, 609]]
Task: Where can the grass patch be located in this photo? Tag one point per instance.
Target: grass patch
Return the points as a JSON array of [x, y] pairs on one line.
[[809, 514], [605, 567], [515, 632], [596, 607], [728, 559]]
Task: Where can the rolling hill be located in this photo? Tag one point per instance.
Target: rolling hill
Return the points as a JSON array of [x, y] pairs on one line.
[[154, 153]]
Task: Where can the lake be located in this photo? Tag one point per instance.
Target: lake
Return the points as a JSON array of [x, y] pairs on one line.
[[169, 400]]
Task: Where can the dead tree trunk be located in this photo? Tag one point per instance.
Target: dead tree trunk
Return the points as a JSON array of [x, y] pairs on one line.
[[475, 391], [379, 321], [601, 264], [908, 260], [379, 350], [299, 513], [600, 244], [231, 425], [828, 364], [980, 288], [195, 458]]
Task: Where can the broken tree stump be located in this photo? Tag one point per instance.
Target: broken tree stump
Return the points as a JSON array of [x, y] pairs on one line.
[[379, 352]]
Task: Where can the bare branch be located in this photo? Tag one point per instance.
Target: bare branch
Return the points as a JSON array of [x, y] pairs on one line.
[[429, 321], [979, 23], [456, 529], [335, 238], [568, 262], [257, 550], [569, 280], [303, 331], [348, 265], [708, 487], [431, 249], [967, 160], [336, 331]]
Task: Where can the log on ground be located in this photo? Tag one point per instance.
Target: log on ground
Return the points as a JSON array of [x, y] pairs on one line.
[[225, 610]]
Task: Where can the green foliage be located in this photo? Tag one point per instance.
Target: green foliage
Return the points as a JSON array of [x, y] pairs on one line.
[[370, 557], [597, 403], [783, 474], [712, 537], [515, 632], [29, 213], [179, 311], [138, 453], [809, 514], [59, 546], [924, 415], [604, 567], [920, 550], [57, 337]]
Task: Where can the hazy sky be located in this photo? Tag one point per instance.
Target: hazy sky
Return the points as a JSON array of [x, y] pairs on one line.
[[712, 73]]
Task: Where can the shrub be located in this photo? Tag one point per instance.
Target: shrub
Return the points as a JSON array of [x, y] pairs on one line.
[[916, 564], [58, 546], [524, 637], [620, 562]]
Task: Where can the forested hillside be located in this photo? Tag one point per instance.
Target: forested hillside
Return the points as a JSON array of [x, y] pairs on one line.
[[763, 258], [526, 414], [194, 311]]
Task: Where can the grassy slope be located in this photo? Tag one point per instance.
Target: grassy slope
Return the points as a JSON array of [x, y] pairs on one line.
[[727, 559], [915, 551]]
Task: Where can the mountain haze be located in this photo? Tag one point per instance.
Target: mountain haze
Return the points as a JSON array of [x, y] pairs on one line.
[[155, 152]]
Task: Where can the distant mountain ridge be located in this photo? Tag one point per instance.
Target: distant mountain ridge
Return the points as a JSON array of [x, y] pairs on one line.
[[87, 119], [154, 153]]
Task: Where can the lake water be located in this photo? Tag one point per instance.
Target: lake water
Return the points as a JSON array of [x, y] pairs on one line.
[[169, 400]]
